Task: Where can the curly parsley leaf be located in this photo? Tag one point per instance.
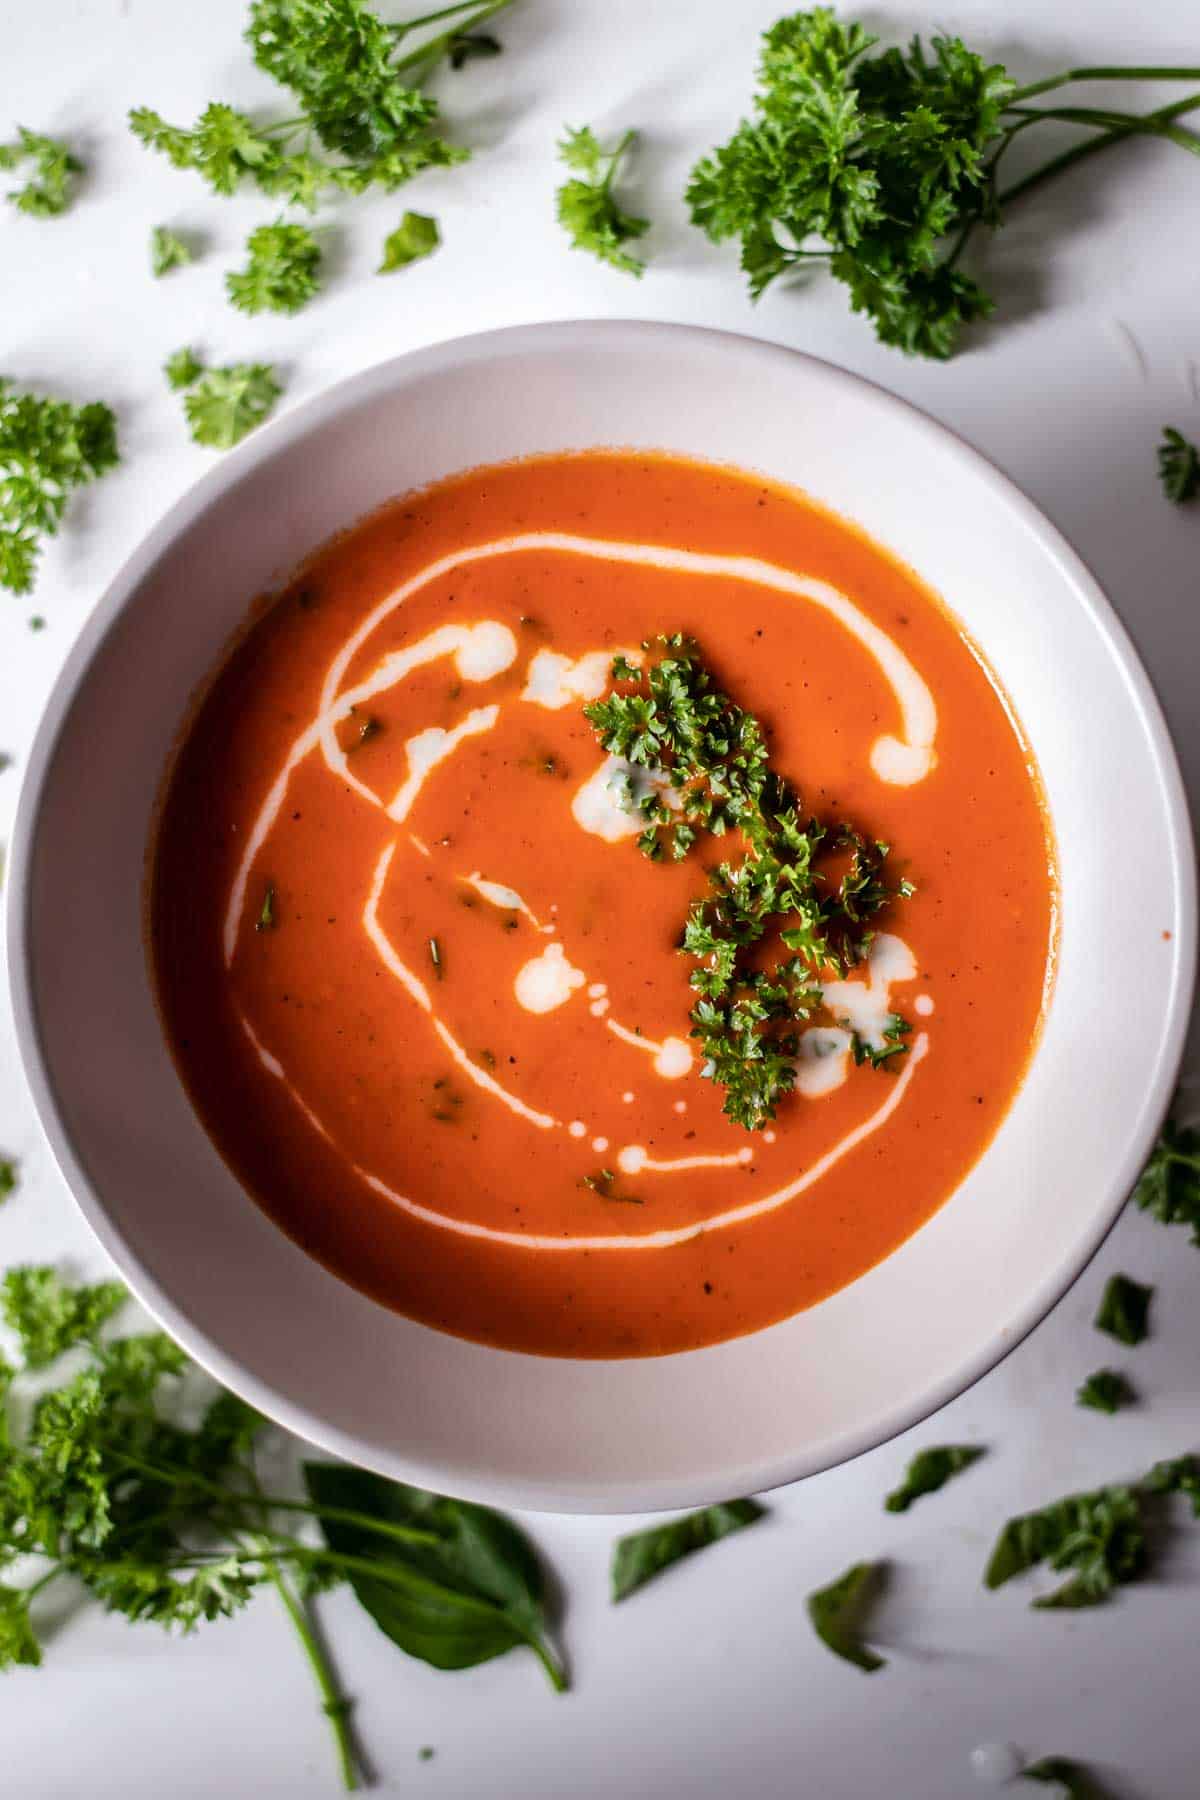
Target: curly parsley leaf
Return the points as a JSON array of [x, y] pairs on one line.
[[1099, 1537], [1105, 1391], [8, 1178], [1180, 1475], [18, 1643], [183, 367], [223, 405], [47, 448], [642, 1555], [168, 251], [930, 1470], [1071, 1778], [1124, 1310], [1178, 466], [879, 166], [1169, 1186], [587, 209], [417, 235], [282, 273], [49, 1317], [839, 1610], [451, 1583], [50, 189]]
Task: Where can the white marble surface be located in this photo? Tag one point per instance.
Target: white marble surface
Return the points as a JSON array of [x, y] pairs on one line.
[[711, 1681]]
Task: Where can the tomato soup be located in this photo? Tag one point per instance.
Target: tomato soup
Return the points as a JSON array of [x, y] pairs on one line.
[[424, 989]]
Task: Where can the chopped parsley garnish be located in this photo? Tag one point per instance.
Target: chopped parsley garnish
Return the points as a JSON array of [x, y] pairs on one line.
[[837, 1613], [701, 766], [587, 209], [282, 273], [169, 1523], [266, 920], [222, 405], [417, 235], [642, 1555], [1124, 1310], [356, 94], [435, 957], [8, 1178], [880, 167], [1169, 1187], [168, 251], [49, 190], [930, 1470], [1105, 1391], [47, 448], [603, 1182], [1178, 466]]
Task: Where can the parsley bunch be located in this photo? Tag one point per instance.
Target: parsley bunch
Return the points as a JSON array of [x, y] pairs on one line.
[[881, 167], [587, 209], [358, 89], [47, 448], [168, 1523], [810, 888], [50, 188]]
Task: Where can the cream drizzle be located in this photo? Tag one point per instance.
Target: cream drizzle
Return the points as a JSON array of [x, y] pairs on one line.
[[672, 1058], [428, 749], [506, 898]]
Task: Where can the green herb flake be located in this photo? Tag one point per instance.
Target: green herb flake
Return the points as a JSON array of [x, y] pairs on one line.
[[267, 919], [837, 1613], [426, 1753], [1178, 466], [880, 167], [416, 236], [930, 1470], [435, 957], [49, 1317], [182, 368], [643, 1555], [1124, 1310], [1169, 1187], [168, 251], [1071, 1778], [51, 188], [1099, 1537], [8, 1178], [223, 405], [282, 272], [587, 209], [47, 449], [1105, 1391]]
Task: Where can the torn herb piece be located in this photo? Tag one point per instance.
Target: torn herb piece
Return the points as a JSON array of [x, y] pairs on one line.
[[282, 272], [51, 188], [1181, 1475], [1178, 466], [1124, 1309], [1071, 1778], [587, 210], [1169, 1186], [1105, 1391], [224, 404], [182, 367], [8, 1178], [266, 919], [435, 956], [643, 1555], [1100, 1537], [49, 1317], [416, 236], [168, 251], [837, 1614], [930, 1470]]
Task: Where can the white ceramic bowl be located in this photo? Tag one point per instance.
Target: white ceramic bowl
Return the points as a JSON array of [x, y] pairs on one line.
[[642, 1434]]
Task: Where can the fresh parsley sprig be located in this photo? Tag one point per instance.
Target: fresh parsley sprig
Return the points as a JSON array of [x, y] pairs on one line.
[[282, 273], [222, 405], [168, 251], [357, 83], [587, 208], [881, 166], [801, 887], [169, 1524], [47, 448], [50, 189]]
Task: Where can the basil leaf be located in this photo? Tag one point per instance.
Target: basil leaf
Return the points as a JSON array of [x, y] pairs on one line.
[[837, 1613], [642, 1555], [1072, 1778], [1124, 1306], [472, 1590], [1105, 1391], [929, 1470]]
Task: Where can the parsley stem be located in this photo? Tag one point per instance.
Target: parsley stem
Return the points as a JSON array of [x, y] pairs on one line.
[[333, 1703], [1102, 74], [1136, 124]]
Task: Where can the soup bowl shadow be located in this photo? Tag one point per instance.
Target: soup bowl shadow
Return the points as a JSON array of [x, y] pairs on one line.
[[640, 1434]]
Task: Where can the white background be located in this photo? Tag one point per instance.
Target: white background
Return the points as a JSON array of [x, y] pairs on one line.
[[709, 1682]]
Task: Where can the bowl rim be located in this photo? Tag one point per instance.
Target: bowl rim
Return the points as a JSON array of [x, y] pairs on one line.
[[259, 448]]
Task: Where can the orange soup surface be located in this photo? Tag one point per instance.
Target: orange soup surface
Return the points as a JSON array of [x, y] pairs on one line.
[[426, 991]]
